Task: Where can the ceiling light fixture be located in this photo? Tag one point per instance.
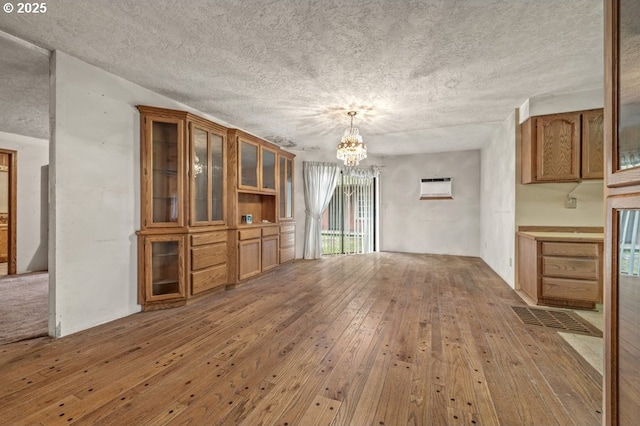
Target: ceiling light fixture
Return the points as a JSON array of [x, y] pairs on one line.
[[351, 149]]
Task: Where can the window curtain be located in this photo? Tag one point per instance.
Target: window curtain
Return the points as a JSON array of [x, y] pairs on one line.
[[320, 179]]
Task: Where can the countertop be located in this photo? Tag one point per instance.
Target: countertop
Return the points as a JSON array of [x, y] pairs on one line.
[[563, 236]]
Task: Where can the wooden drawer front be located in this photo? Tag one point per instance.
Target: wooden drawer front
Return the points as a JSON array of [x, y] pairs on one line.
[[271, 230], [208, 278], [249, 234], [581, 268], [570, 249], [209, 238], [214, 254], [563, 288], [287, 228], [287, 240], [287, 254]]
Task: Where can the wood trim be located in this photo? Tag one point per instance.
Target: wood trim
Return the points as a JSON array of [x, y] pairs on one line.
[[12, 223], [533, 228], [436, 198], [615, 177]]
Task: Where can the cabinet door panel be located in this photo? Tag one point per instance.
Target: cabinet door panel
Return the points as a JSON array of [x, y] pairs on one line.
[[557, 142], [209, 278], [249, 256], [268, 163], [569, 289], [248, 165], [200, 173], [269, 253], [583, 268], [165, 273], [593, 144]]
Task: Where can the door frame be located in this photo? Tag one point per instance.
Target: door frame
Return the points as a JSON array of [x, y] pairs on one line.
[[12, 224]]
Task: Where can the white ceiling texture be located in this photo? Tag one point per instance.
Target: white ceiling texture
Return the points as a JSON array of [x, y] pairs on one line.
[[424, 75]]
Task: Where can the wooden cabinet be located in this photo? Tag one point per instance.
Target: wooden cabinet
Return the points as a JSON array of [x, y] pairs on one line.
[[198, 181], [208, 173], [162, 163], [561, 269], [287, 242], [209, 256], [4, 243], [163, 279], [184, 192], [565, 147], [270, 243]]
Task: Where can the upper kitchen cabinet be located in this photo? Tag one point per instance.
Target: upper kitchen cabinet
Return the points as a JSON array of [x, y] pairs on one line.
[[565, 147], [162, 169], [208, 173], [593, 144]]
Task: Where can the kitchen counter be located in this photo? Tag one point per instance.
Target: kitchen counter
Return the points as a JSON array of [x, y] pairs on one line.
[[563, 236]]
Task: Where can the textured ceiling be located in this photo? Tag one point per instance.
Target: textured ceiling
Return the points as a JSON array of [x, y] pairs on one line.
[[424, 76]]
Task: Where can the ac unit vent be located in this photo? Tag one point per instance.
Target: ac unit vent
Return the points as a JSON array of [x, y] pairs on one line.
[[436, 188]]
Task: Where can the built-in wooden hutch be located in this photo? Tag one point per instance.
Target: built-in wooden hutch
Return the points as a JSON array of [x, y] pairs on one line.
[[216, 207]]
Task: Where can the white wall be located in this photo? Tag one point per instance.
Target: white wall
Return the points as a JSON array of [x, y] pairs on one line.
[[95, 199], [564, 102], [33, 181], [408, 224], [498, 204]]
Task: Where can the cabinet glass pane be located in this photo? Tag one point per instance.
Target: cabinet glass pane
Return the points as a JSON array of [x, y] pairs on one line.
[[165, 278], [217, 190], [289, 188], [628, 316], [200, 175], [283, 193], [268, 169], [629, 85], [249, 162], [165, 172]]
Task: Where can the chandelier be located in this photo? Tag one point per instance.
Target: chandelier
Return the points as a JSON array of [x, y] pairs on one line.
[[351, 149]]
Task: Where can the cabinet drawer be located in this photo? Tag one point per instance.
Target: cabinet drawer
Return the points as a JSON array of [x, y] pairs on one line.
[[287, 228], [570, 249], [249, 234], [208, 238], [564, 288], [204, 256], [569, 267], [208, 278], [287, 254], [287, 240], [271, 230]]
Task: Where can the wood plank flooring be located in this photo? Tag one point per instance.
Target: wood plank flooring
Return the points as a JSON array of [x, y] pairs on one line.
[[380, 339]]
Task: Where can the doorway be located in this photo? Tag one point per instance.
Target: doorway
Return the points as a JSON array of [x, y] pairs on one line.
[[8, 201]]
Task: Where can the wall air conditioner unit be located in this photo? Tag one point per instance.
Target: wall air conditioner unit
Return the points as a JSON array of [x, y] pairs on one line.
[[436, 189]]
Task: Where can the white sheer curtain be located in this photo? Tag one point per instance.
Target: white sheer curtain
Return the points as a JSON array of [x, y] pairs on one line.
[[320, 179]]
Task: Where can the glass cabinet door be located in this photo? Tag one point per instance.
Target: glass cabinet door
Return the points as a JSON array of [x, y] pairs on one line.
[[200, 175], [625, 96], [625, 299], [268, 170], [165, 259], [163, 172], [286, 187], [248, 165], [207, 176]]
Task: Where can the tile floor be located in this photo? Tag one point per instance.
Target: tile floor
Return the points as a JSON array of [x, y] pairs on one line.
[[591, 348]]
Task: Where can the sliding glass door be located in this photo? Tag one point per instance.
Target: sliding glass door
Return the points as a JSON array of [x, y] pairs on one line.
[[349, 223]]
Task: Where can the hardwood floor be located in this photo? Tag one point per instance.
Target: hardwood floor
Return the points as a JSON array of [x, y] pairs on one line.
[[380, 339]]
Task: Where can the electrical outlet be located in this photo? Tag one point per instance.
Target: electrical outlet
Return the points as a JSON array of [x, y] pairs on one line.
[[571, 203]]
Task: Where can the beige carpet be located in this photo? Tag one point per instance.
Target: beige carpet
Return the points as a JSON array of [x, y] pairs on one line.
[[24, 305]]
